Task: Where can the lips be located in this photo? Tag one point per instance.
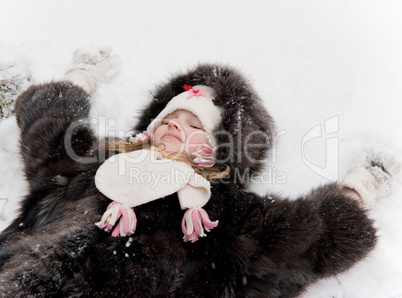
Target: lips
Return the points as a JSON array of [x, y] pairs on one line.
[[172, 135]]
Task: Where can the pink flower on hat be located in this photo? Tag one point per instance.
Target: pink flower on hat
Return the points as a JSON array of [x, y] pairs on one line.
[[193, 92]]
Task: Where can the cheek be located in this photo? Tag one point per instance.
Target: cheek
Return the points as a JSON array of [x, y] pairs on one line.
[[158, 133], [195, 139], [200, 139]]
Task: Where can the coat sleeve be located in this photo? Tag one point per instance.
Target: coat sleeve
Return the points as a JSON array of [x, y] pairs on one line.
[[53, 135], [285, 245], [55, 230], [53, 139]]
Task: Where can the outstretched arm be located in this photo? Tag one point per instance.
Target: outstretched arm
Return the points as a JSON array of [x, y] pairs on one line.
[[53, 140], [55, 231], [50, 117], [318, 235], [57, 145], [297, 242], [45, 113]]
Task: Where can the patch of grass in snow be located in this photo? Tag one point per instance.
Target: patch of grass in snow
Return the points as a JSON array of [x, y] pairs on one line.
[[9, 90]]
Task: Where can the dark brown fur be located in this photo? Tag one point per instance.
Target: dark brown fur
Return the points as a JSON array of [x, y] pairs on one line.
[[262, 247]]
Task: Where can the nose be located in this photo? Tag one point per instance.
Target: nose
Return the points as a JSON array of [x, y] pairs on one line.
[[174, 124]]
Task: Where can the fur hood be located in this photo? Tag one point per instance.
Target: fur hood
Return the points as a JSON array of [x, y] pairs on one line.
[[246, 132]]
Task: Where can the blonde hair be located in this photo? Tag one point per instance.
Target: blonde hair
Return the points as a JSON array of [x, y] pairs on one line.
[[210, 173]]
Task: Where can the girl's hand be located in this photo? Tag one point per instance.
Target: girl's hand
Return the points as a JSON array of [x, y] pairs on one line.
[[372, 175], [350, 192], [91, 67]]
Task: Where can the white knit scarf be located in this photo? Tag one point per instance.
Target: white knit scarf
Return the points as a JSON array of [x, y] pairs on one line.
[[138, 177]]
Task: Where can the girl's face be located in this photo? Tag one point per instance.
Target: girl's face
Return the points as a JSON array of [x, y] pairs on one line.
[[180, 131]]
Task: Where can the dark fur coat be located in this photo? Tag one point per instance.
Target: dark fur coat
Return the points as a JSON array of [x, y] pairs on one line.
[[262, 247]]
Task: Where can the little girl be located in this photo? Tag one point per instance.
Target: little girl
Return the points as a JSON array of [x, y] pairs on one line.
[[167, 213]]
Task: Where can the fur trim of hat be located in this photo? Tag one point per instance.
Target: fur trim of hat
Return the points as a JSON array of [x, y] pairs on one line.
[[245, 120]]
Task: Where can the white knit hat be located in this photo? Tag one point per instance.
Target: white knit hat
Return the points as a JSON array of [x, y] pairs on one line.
[[197, 100]]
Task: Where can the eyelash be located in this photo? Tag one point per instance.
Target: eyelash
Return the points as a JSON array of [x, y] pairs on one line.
[[166, 122]]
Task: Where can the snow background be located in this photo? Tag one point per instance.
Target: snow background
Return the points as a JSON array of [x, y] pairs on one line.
[[310, 61]]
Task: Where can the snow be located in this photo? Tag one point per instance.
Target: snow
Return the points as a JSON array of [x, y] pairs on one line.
[[320, 66]]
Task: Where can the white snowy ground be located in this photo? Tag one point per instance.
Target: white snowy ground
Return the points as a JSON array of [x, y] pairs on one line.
[[311, 61]]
